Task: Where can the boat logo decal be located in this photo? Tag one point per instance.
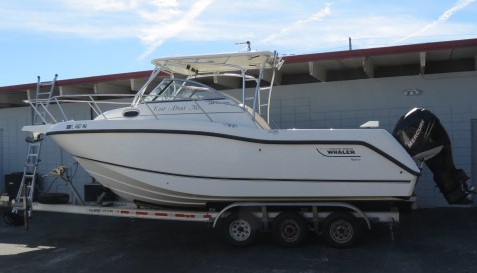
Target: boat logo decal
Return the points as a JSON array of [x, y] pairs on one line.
[[416, 134], [338, 152]]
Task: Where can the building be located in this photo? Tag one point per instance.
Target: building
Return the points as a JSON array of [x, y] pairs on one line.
[[325, 90]]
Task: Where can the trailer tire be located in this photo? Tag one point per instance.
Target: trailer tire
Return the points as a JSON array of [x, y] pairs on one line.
[[240, 228], [341, 230], [53, 198], [289, 229], [13, 219]]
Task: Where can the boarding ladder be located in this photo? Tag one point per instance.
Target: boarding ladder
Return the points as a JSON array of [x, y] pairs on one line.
[[40, 111]]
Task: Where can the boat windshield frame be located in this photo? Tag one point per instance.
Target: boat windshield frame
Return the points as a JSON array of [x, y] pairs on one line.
[[176, 89], [243, 65]]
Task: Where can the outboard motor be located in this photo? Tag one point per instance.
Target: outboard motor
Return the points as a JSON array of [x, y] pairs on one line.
[[422, 135]]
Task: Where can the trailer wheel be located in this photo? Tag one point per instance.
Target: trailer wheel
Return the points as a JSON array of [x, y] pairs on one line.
[[341, 230], [289, 229], [240, 228]]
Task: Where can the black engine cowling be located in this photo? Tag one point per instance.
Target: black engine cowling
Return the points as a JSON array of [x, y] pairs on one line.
[[422, 135]]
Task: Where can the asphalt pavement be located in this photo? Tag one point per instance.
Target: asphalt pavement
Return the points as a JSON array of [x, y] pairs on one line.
[[427, 240]]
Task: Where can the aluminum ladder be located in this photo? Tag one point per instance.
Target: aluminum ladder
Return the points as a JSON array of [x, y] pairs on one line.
[[40, 107], [42, 100]]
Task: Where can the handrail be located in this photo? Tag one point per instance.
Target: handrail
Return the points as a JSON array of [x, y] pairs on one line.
[[257, 93], [166, 67], [147, 105], [87, 99], [203, 111], [61, 108], [34, 104], [95, 104]]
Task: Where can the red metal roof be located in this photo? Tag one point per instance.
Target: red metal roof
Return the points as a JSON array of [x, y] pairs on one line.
[[379, 51], [89, 80]]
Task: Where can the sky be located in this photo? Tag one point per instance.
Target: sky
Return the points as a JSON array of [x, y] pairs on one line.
[[82, 38]]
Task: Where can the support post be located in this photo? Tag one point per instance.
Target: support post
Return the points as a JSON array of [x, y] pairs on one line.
[[25, 207], [265, 218]]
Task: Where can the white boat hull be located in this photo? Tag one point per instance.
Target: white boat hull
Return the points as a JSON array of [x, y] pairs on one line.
[[192, 164]]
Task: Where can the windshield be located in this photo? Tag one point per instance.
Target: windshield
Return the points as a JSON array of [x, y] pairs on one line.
[[178, 89]]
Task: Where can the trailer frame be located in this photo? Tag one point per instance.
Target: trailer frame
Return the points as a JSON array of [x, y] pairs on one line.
[[315, 214]]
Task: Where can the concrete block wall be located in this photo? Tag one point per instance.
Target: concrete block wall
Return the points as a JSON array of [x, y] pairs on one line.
[[12, 140]]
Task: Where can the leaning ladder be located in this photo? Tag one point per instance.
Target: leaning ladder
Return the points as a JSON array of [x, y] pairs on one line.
[[40, 109]]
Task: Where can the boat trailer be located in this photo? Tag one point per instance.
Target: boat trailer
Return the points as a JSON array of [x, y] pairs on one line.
[[290, 223], [339, 223]]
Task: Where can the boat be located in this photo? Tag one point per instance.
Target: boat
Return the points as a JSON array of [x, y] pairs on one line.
[[182, 143]]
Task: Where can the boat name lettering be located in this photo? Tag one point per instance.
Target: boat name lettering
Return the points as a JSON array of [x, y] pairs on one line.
[[194, 107], [158, 109], [416, 135], [76, 126], [176, 108]]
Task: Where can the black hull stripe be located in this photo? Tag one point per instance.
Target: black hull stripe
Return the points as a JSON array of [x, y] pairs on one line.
[[244, 139], [245, 178]]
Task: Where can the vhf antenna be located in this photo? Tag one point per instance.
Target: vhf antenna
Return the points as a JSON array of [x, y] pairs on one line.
[[248, 43]]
